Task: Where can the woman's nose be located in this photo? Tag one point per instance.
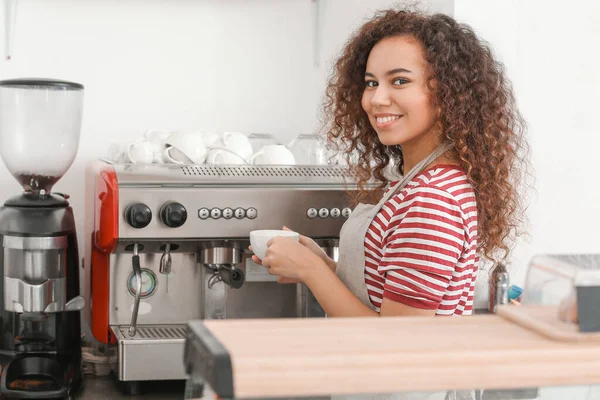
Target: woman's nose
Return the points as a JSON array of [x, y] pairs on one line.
[[381, 97]]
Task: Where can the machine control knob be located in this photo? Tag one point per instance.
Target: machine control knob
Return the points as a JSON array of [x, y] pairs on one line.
[[251, 213], [227, 213], [346, 212], [203, 213], [312, 213], [323, 213], [138, 215], [173, 214], [215, 213], [335, 213], [239, 213]]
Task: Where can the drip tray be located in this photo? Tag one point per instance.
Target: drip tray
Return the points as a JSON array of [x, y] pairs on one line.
[[155, 332], [154, 353]]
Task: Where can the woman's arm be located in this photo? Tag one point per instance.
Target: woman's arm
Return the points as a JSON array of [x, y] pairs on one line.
[[331, 264]]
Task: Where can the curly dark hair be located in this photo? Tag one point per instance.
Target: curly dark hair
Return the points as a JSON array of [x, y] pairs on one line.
[[478, 115]]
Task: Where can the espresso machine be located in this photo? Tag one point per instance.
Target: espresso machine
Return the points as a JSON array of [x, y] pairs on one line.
[[40, 349], [167, 244]]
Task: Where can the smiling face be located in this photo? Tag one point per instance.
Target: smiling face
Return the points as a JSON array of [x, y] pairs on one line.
[[396, 97]]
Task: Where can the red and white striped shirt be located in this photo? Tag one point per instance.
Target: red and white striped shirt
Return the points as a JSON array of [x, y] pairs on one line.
[[421, 248]]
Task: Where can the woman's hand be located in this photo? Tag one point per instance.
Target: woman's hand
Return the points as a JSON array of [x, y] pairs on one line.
[[310, 245], [279, 279], [287, 258], [316, 249]]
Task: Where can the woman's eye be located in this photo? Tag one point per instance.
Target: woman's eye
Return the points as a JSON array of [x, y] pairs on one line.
[[370, 84], [400, 81]]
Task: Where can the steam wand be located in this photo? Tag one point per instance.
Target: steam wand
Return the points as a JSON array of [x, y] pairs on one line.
[[138, 289]]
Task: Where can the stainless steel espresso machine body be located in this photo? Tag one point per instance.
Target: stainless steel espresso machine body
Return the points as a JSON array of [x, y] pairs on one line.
[[166, 244]]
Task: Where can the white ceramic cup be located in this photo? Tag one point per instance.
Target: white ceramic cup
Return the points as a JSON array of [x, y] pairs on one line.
[[139, 153], [235, 142], [159, 144], [274, 154], [172, 155], [260, 238], [211, 139], [185, 148], [224, 156]]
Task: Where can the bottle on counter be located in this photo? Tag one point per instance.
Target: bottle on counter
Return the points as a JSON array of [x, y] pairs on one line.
[[499, 286]]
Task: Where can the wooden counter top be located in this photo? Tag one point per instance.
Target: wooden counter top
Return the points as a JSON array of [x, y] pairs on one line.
[[305, 357]]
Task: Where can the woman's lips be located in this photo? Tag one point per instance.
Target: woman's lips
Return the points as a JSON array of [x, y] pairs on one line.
[[386, 121]]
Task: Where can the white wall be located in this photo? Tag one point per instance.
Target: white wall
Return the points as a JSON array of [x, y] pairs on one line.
[[217, 65], [248, 66], [551, 52]]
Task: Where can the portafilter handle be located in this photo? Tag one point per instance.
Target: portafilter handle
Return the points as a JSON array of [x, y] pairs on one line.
[[231, 275], [228, 274], [138, 289]]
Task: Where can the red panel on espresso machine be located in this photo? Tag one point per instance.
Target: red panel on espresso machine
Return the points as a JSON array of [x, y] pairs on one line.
[[104, 236]]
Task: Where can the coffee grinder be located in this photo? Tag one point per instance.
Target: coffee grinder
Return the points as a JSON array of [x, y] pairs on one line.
[[40, 334]]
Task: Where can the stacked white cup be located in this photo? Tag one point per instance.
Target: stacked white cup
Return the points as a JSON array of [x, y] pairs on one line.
[[158, 141], [273, 154], [230, 148], [139, 152], [185, 148], [178, 147]]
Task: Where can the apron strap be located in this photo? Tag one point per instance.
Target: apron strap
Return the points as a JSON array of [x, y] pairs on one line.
[[441, 149]]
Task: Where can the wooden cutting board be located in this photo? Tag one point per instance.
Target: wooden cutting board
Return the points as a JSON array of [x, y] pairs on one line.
[[308, 357], [544, 321]]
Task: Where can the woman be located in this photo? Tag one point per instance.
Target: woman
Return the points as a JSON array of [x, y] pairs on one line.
[[424, 92]]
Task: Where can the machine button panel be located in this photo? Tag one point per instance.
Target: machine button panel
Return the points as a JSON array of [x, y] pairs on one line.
[[323, 212], [252, 213], [203, 213], [173, 214], [215, 213], [138, 215], [335, 213], [227, 213]]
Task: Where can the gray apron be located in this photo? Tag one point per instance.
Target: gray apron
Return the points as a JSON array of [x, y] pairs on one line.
[[351, 268], [351, 264]]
